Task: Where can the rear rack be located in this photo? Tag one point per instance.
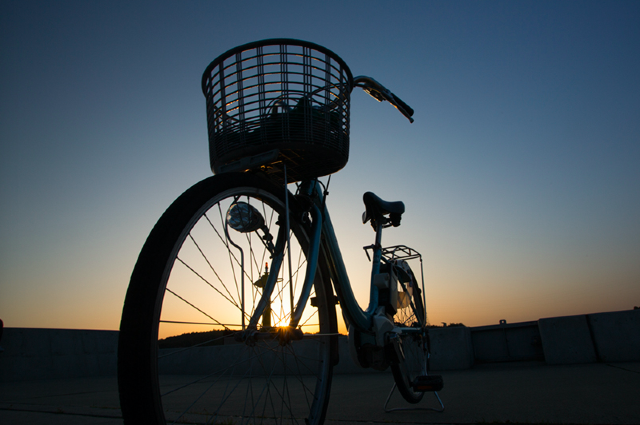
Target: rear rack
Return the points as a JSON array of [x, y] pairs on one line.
[[396, 252], [400, 252]]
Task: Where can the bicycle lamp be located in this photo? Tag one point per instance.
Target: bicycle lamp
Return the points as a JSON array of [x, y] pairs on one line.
[[244, 218]]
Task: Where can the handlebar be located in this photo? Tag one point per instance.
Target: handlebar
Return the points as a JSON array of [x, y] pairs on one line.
[[381, 93]]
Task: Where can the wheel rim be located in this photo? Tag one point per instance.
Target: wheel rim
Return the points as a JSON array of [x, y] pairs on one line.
[[414, 344], [202, 381]]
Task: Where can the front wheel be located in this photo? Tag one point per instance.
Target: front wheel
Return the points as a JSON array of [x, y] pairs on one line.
[[201, 335]]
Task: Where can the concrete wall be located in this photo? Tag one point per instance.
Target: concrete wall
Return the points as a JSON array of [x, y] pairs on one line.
[[616, 336], [56, 353], [507, 342], [451, 348], [346, 365], [199, 359], [605, 337], [566, 340], [608, 337]]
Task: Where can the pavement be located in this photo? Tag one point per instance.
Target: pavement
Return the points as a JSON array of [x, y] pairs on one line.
[[513, 393]]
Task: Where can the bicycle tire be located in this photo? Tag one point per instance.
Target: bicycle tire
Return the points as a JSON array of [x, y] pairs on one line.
[[413, 361], [264, 381]]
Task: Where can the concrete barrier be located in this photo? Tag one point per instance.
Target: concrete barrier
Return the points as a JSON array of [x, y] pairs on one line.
[[616, 335], [57, 353], [451, 348], [235, 359], [507, 342], [566, 340], [346, 364], [201, 360], [609, 337]]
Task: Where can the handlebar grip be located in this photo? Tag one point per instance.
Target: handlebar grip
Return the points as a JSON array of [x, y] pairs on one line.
[[403, 105], [380, 93]]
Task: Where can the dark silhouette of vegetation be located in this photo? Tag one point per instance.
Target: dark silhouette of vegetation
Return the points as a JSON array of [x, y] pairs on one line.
[[447, 325], [202, 339]]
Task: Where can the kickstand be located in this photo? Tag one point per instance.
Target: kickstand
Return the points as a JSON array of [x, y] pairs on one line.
[[396, 409]]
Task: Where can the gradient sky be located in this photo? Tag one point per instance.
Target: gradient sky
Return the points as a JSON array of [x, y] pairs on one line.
[[521, 173]]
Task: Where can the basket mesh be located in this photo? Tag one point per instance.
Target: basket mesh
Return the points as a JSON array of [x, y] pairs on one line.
[[277, 102]]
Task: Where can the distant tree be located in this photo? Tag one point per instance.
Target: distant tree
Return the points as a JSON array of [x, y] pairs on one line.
[[446, 325], [203, 339]]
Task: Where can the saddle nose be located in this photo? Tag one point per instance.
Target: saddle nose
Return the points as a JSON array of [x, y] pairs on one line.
[[376, 208]]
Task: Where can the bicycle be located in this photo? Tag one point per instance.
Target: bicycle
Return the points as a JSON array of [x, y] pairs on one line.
[[241, 255]]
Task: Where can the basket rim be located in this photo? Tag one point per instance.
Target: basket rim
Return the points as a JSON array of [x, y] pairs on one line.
[[273, 42]]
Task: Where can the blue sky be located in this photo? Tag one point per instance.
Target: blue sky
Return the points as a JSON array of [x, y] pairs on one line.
[[521, 173]]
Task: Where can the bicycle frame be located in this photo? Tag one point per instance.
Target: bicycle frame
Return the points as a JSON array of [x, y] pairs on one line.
[[361, 319], [327, 241], [323, 241]]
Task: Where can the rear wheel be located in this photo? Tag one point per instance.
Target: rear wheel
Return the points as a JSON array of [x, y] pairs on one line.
[[412, 343], [187, 352]]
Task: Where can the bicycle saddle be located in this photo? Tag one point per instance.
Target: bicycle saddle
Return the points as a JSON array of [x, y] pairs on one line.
[[376, 209]]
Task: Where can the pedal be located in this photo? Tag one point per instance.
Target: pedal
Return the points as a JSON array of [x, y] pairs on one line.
[[427, 383]]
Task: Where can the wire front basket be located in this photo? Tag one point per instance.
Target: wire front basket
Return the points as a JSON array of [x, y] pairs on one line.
[[278, 102]]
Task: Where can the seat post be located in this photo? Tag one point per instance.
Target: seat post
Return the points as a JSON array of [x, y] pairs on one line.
[[375, 269], [377, 249]]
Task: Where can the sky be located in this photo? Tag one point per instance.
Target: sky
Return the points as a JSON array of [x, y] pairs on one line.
[[520, 174]]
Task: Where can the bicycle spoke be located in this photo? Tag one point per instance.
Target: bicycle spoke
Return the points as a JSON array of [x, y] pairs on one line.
[[210, 266], [208, 283]]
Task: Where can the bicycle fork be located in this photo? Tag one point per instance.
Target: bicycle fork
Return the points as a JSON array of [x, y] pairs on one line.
[[290, 332]]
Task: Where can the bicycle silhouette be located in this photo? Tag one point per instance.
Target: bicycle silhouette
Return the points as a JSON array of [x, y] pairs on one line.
[[259, 268]]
